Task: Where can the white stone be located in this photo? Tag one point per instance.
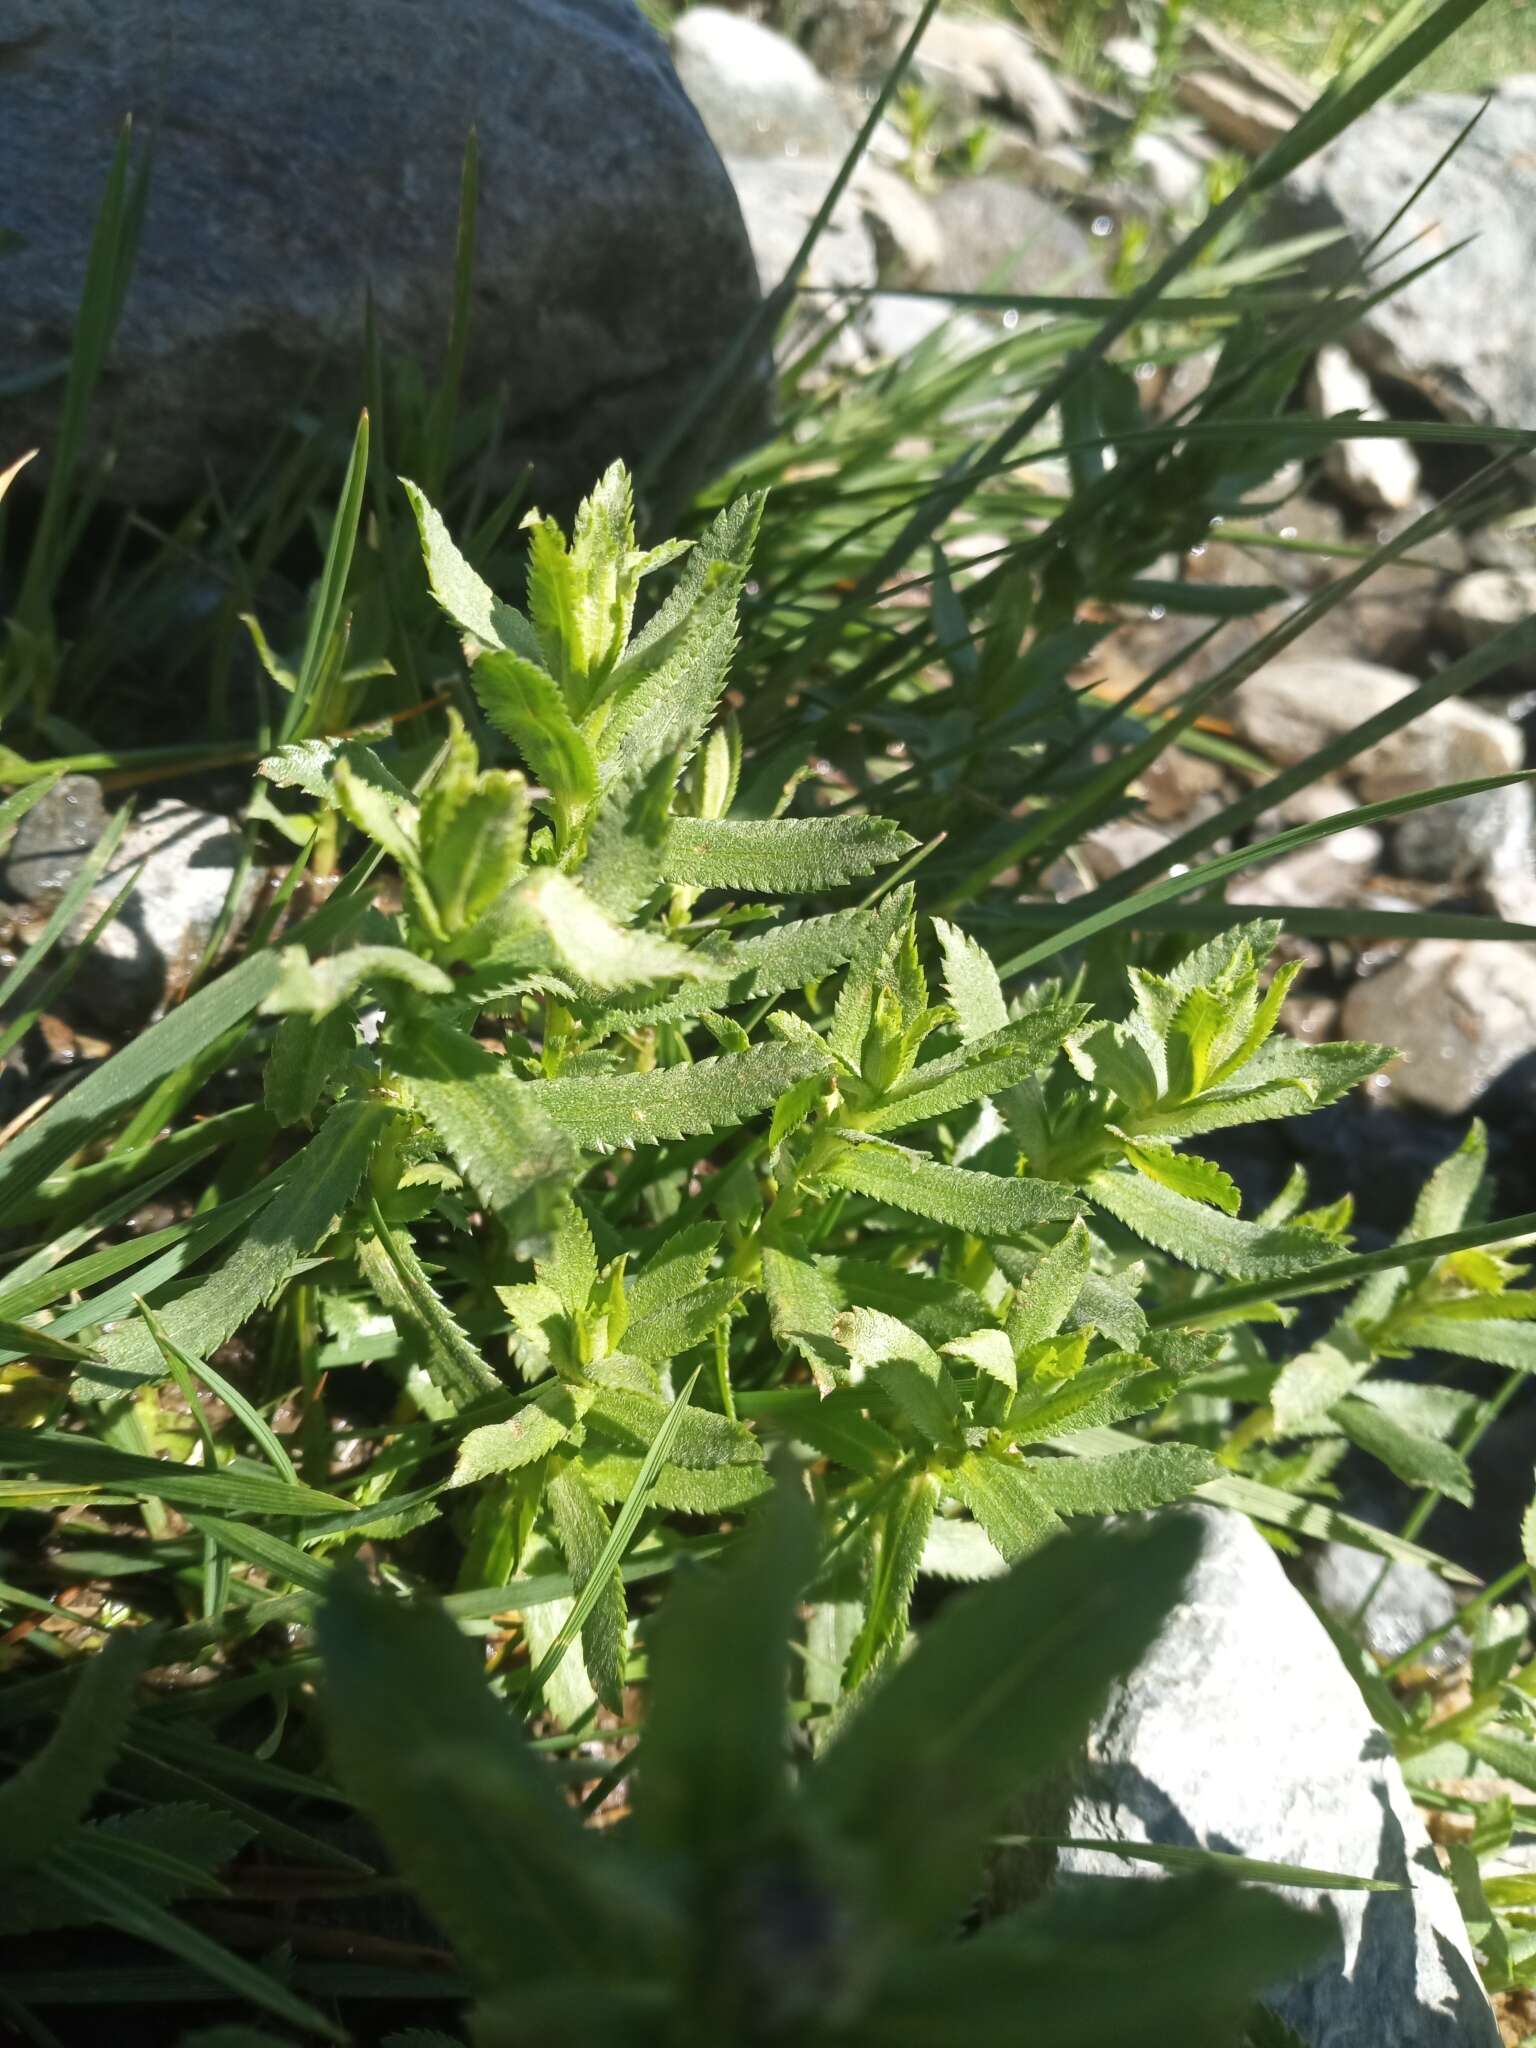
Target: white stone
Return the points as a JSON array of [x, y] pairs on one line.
[[1381, 475], [991, 64], [1452, 742], [1332, 872], [1243, 1731], [1481, 605], [757, 93], [1290, 709], [1460, 1014], [908, 246]]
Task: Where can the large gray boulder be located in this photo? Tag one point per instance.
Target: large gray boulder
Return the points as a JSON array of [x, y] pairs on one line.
[[306, 154], [1243, 1731], [1465, 332]]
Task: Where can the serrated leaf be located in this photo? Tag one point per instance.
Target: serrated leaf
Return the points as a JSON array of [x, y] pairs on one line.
[[588, 943], [621, 1110], [1112, 1389], [676, 1268], [539, 1427], [490, 1123], [990, 1352], [1451, 1189], [664, 691], [971, 983], [895, 1558], [855, 1002], [677, 1489], [314, 988], [986, 1067], [1416, 1460], [1199, 1179], [961, 1551], [397, 1276], [984, 1204], [1495, 1340], [301, 1213], [370, 798], [1042, 1302], [523, 700], [1150, 1476], [884, 1352], [43, 1800], [1308, 1385], [699, 1440], [1329, 1071], [779, 856], [796, 1106], [672, 1330], [1221, 1108], [998, 1493], [468, 601], [308, 1055], [472, 842], [1203, 1237]]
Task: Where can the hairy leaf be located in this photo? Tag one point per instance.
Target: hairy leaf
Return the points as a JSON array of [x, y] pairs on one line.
[[985, 1204], [614, 1110], [1203, 1237], [779, 856], [971, 983]]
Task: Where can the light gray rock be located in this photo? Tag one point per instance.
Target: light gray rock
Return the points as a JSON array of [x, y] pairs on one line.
[[1459, 1013], [757, 93], [146, 956], [305, 155], [1335, 871], [1291, 708], [1000, 236], [1464, 333], [1401, 1603], [908, 246], [779, 198], [1175, 173], [1452, 742], [1380, 475], [1483, 604], [1501, 546], [1479, 838], [1243, 1731], [970, 61]]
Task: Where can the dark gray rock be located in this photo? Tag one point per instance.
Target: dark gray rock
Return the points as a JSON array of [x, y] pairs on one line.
[[1243, 1731], [148, 952], [1000, 236], [1464, 333], [1401, 1603], [306, 154]]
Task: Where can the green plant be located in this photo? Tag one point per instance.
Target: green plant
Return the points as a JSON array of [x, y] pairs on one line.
[[971, 1291], [591, 1116], [752, 1897]]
